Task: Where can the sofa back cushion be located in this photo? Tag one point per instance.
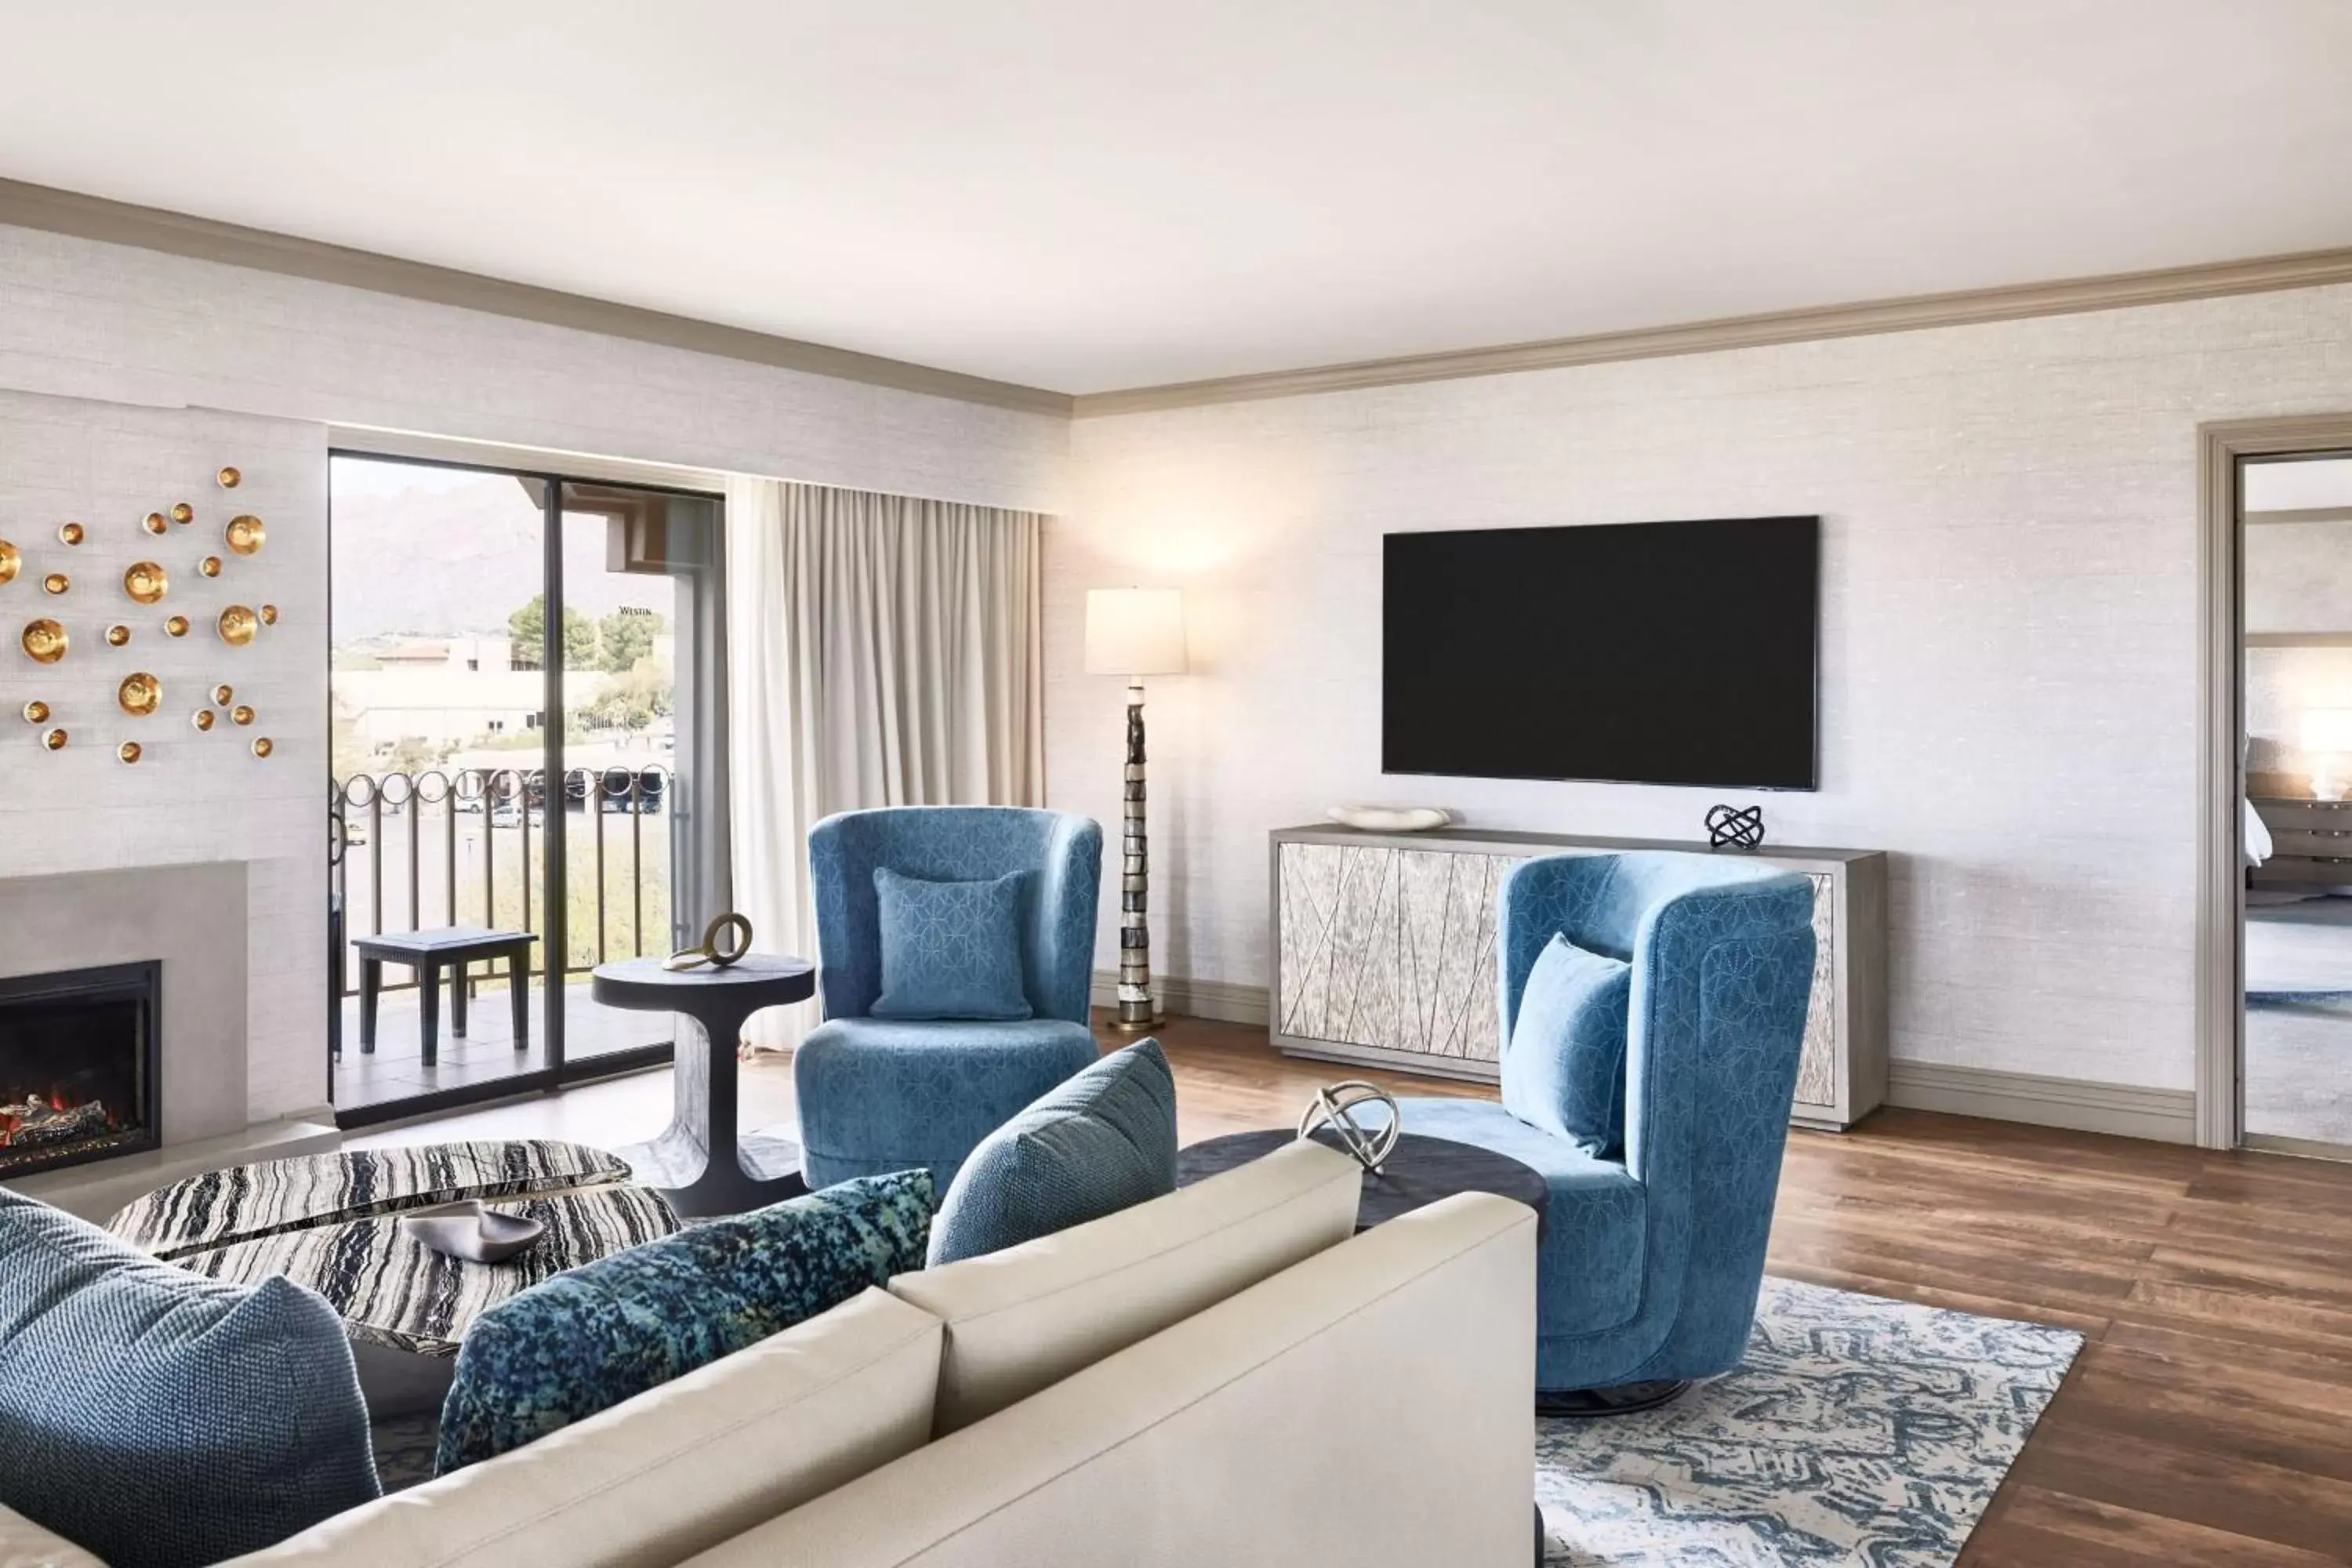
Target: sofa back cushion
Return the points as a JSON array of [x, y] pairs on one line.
[[950, 950], [1564, 1070], [1020, 1320], [678, 1468], [1097, 1142], [608, 1331], [158, 1419]]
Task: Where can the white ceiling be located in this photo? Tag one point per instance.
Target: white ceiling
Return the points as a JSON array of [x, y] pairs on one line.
[[1086, 195]]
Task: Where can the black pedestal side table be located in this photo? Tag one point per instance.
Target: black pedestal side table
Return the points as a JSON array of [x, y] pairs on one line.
[[702, 1164]]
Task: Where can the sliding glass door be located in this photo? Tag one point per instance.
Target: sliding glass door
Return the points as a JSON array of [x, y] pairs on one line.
[[527, 691]]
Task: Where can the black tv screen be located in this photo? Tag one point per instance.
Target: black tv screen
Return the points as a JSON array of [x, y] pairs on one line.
[[1668, 653]]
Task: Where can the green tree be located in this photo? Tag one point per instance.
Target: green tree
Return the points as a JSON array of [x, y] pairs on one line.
[[526, 635], [623, 637]]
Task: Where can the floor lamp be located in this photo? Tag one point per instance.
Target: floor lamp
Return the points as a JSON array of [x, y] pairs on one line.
[[1135, 632]]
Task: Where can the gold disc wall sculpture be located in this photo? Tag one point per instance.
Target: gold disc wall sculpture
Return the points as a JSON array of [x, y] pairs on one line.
[[238, 626], [55, 739], [262, 745], [245, 535], [118, 636], [128, 750], [56, 582], [269, 614], [224, 695], [44, 641], [37, 712], [227, 479], [202, 718], [11, 562], [70, 533], [146, 582], [210, 566], [177, 627], [156, 523], [139, 694], [240, 715], [183, 512]]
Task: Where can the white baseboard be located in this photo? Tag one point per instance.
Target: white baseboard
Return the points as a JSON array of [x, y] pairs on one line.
[[1217, 999], [2167, 1115]]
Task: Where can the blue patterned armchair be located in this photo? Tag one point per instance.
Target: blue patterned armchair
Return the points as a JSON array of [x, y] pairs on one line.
[[877, 1095], [1650, 1265]]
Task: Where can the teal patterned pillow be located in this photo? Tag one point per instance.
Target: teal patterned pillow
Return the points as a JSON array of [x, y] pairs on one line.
[[1564, 1070], [1102, 1141], [950, 949], [608, 1331]]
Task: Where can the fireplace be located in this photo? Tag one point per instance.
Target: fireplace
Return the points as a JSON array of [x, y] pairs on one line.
[[78, 1066]]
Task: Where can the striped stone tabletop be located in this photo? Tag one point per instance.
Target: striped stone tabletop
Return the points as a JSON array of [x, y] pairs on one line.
[[392, 1291], [276, 1197]]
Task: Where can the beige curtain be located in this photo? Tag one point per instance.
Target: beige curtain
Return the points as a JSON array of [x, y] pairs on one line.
[[881, 651]]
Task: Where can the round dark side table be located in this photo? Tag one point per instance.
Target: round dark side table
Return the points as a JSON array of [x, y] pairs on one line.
[[1418, 1172], [702, 1164]]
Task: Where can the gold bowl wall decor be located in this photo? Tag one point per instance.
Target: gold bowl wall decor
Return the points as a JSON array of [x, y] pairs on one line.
[[156, 523], [262, 745], [177, 627], [202, 718], [139, 694], [245, 535], [44, 641], [183, 512], [146, 583], [118, 636], [56, 582], [240, 715], [55, 739], [224, 695], [37, 712], [238, 626], [10, 561], [269, 614], [227, 479], [210, 565], [70, 533], [128, 750]]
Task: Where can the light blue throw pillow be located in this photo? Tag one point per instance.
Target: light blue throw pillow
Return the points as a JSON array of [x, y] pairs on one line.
[[950, 950], [594, 1336], [1565, 1069], [1102, 1141], [160, 1419]]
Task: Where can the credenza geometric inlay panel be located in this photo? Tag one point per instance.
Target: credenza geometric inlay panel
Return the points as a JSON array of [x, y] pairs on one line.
[[1392, 948]]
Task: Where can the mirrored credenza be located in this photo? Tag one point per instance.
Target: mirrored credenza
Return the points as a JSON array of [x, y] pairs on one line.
[[1384, 954]]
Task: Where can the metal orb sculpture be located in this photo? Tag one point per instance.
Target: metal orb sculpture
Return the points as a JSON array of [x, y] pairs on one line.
[[1735, 829], [1333, 1107]]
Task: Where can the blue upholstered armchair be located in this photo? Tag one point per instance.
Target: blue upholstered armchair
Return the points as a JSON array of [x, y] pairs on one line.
[[879, 1094], [1651, 1264]]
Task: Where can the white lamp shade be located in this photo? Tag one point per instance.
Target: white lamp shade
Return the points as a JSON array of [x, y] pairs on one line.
[[1135, 631], [2328, 729]]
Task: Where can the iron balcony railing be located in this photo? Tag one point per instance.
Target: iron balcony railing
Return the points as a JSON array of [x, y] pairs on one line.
[[440, 846]]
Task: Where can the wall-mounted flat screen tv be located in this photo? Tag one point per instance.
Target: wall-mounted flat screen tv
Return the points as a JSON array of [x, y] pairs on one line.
[[1666, 653]]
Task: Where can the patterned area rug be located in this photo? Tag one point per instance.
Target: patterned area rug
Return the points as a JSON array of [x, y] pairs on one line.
[[1857, 1431]]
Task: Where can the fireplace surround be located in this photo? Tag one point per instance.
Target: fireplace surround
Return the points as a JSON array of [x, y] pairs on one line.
[[79, 1058]]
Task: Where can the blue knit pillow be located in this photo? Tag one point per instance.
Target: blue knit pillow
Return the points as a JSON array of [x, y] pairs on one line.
[[950, 949], [1102, 1141], [608, 1331], [1565, 1069], [161, 1420]]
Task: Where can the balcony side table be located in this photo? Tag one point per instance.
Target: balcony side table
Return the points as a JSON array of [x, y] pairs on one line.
[[702, 1164]]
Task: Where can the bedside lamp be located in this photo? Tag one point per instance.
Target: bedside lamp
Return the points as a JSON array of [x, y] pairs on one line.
[[1135, 632], [2326, 736]]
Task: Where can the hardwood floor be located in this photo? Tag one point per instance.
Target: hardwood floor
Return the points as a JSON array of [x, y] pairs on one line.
[[2209, 1420]]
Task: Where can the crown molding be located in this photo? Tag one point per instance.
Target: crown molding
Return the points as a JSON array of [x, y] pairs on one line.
[[1913, 313], [54, 211]]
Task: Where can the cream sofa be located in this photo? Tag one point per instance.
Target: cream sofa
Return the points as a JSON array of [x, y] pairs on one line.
[[1224, 1375]]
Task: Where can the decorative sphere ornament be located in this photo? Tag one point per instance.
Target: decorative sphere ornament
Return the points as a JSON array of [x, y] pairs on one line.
[[1333, 1107], [1728, 829]]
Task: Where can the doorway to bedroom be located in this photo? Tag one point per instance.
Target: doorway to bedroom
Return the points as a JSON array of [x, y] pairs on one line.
[[2294, 516]]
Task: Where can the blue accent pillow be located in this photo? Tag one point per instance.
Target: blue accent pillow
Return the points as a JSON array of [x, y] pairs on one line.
[[1565, 1069], [1103, 1139], [608, 1331], [161, 1420], [950, 950]]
